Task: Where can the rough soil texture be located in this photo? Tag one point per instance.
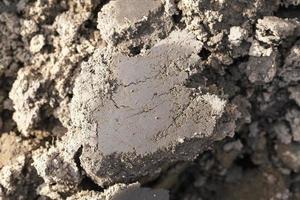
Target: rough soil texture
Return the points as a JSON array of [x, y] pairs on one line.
[[150, 99]]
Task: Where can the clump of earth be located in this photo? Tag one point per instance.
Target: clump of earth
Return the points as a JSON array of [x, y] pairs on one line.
[[150, 99]]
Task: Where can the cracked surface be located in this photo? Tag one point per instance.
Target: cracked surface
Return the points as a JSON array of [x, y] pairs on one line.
[[126, 99], [140, 110]]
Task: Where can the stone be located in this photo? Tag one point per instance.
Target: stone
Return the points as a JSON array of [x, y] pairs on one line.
[[237, 35], [273, 29], [263, 69], [37, 43]]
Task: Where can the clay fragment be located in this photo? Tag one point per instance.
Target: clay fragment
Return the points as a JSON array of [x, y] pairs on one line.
[[136, 26], [135, 115]]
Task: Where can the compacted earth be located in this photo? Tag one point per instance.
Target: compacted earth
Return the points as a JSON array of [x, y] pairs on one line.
[[150, 99]]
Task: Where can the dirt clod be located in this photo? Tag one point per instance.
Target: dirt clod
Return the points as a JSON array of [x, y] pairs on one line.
[[150, 99]]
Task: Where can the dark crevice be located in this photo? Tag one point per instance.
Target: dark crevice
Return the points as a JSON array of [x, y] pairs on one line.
[[86, 183], [204, 54], [245, 162], [77, 159], [136, 50], [90, 25], [288, 12], [48, 48], [48, 121], [177, 17], [99, 5]]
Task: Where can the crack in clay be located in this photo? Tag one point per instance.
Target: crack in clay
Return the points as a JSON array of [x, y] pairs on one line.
[[174, 123], [152, 90]]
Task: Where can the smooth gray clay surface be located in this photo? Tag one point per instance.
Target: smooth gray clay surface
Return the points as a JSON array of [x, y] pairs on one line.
[[135, 115]]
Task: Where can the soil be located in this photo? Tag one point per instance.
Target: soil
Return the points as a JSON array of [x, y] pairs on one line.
[[150, 99]]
